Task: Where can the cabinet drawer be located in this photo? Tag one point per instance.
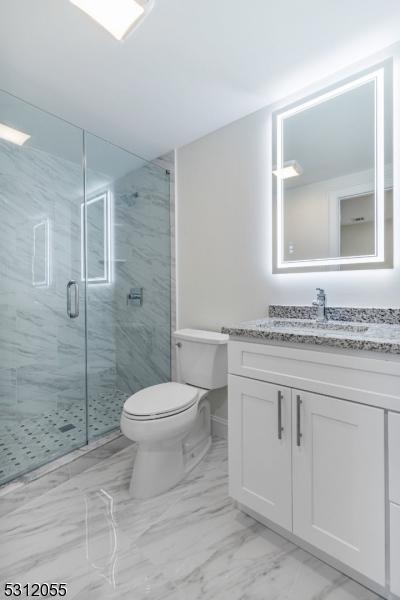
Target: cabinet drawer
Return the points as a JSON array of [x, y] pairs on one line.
[[394, 457], [360, 379], [395, 549]]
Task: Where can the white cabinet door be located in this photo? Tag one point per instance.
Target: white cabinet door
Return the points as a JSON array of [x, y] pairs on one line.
[[260, 448], [338, 480]]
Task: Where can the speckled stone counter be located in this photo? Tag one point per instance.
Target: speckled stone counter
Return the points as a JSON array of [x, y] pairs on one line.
[[388, 316], [375, 330]]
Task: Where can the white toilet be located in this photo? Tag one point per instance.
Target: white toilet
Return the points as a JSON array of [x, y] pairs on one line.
[[171, 422]]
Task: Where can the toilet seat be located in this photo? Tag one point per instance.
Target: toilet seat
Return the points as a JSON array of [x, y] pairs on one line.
[[160, 401]]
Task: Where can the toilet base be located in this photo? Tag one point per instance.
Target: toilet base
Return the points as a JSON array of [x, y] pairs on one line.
[[157, 470], [159, 466]]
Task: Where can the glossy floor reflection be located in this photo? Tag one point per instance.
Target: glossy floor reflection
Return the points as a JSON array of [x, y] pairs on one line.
[[188, 544]]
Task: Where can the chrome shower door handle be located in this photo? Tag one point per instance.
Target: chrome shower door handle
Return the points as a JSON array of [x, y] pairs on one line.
[[73, 314]]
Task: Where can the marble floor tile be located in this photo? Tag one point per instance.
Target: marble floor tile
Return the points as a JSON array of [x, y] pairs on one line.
[[190, 543]]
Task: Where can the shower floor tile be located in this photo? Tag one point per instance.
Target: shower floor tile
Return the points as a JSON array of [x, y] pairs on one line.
[[27, 444]]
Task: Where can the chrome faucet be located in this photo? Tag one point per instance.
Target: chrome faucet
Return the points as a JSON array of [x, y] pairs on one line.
[[321, 304]]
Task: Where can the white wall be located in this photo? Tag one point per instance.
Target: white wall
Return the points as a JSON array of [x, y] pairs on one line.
[[222, 225], [224, 231]]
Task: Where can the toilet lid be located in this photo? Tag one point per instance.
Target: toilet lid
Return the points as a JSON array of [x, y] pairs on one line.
[[161, 400]]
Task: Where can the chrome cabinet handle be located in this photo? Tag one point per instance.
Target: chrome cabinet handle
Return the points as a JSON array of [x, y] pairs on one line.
[[280, 428], [299, 435], [75, 313]]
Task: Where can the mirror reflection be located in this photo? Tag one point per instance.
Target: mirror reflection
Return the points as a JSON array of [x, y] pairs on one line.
[[98, 233], [333, 177], [41, 254]]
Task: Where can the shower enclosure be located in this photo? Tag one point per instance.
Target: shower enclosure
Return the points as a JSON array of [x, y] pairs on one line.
[[84, 286]]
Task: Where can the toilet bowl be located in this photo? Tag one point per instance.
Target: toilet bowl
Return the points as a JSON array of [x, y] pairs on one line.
[[170, 422]]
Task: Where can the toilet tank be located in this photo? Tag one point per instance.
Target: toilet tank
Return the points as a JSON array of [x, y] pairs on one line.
[[202, 358]]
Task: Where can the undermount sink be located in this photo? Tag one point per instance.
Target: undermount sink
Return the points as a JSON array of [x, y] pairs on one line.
[[324, 325]]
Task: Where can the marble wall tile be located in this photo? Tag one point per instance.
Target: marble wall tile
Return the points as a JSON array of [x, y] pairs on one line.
[[143, 332], [8, 394]]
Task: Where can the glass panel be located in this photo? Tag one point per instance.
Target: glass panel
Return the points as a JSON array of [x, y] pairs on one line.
[[128, 333], [42, 350]]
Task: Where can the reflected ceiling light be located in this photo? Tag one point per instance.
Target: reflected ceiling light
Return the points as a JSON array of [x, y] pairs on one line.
[[118, 17], [13, 135], [291, 168]]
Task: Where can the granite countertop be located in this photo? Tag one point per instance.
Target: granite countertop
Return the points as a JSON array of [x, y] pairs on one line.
[[366, 330]]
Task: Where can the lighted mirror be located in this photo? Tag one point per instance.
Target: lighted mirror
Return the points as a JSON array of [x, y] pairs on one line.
[[98, 239], [332, 177]]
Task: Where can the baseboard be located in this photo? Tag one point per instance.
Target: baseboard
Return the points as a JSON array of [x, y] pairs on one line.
[[219, 427]]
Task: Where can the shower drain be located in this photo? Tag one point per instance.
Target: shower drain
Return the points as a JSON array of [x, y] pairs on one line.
[[65, 428]]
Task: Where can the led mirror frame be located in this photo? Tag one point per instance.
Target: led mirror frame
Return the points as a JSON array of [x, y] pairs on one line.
[[106, 279], [377, 77]]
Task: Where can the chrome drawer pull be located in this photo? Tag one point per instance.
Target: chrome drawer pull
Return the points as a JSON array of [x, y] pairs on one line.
[[280, 428], [298, 407]]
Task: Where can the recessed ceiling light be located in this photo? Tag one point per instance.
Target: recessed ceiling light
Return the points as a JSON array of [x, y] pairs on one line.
[[291, 168], [118, 17], [13, 135]]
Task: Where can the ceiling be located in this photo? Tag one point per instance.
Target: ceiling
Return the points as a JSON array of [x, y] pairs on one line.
[[192, 67]]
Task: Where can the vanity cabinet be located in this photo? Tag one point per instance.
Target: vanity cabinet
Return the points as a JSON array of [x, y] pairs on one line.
[[310, 463]]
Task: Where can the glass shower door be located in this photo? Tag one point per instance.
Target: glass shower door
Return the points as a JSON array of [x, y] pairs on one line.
[[42, 319], [128, 279]]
